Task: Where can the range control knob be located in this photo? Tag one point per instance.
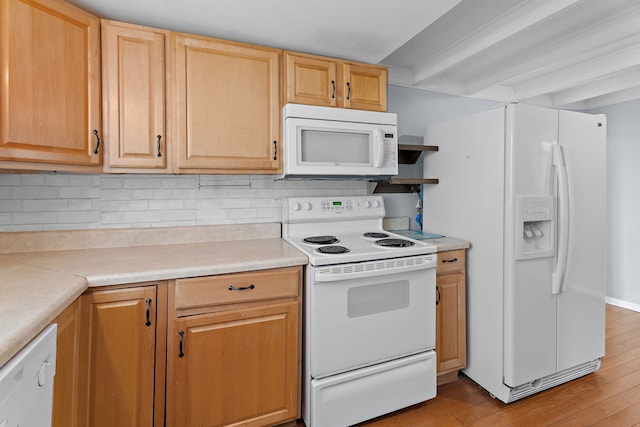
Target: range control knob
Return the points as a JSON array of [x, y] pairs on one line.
[[296, 206], [366, 204], [307, 206], [376, 203]]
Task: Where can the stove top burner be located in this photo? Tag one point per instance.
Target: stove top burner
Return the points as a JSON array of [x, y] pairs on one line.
[[394, 243], [375, 235], [321, 240], [334, 249]]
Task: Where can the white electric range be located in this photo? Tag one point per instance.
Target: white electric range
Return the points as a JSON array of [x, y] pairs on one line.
[[369, 321]]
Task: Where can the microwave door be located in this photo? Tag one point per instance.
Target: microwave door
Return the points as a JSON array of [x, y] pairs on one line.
[[329, 148], [321, 147]]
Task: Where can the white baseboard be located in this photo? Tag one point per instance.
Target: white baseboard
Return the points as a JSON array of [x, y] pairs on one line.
[[624, 304]]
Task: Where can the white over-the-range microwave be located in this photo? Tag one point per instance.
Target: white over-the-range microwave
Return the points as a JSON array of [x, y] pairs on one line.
[[327, 142]]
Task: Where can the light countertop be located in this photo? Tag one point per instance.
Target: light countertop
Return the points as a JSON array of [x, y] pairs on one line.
[[36, 286], [442, 243], [400, 225]]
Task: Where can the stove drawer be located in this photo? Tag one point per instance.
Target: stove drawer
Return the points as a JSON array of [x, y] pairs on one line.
[[237, 288], [362, 394]]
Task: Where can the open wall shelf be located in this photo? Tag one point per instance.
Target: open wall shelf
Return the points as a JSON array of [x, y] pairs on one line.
[[407, 154]]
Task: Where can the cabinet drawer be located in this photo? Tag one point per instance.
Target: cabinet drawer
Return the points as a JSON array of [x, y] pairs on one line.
[[236, 287], [451, 261]]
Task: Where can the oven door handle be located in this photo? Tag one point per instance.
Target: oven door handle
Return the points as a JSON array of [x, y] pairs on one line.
[[334, 273]]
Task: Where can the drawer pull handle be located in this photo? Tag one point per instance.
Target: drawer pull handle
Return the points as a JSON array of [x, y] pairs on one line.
[[181, 333], [245, 288], [148, 313], [450, 260], [437, 295]]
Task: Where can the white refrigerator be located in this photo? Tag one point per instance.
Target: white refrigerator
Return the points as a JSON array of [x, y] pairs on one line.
[[526, 187]]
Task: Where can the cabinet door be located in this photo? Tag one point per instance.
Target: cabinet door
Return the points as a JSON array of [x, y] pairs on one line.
[[118, 357], [234, 367], [227, 106], [450, 322], [365, 87], [311, 80], [133, 79], [65, 384], [50, 90]]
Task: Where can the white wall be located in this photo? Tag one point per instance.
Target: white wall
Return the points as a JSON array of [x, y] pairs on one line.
[[623, 192], [54, 201], [417, 109]]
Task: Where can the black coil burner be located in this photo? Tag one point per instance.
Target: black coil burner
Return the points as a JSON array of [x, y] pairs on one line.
[[321, 240], [333, 250], [394, 243], [375, 235]]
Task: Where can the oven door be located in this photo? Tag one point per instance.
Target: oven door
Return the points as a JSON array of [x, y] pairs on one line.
[[386, 311]]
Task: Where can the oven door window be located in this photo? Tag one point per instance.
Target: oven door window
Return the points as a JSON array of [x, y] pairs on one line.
[[380, 298], [357, 322], [335, 147]]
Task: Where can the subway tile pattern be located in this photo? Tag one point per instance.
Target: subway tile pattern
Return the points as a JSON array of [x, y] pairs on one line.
[[57, 201]]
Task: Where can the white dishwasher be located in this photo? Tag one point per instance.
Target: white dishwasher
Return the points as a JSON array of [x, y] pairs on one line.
[[26, 383]]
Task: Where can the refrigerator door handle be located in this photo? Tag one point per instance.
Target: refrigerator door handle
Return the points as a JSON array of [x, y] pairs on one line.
[[560, 168]]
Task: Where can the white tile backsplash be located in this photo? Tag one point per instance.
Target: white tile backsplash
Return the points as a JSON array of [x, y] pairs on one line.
[[37, 202]]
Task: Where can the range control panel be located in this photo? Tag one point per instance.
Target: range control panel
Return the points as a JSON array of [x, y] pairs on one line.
[[305, 209]]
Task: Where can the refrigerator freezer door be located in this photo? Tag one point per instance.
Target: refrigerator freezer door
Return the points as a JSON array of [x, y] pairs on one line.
[[529, 307], [581, 307], [468, 203]]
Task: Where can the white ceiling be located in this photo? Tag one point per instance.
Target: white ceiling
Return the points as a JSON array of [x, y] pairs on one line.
[[579, 54]]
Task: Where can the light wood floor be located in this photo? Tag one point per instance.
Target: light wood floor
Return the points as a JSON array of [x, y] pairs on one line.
[[607, 397]]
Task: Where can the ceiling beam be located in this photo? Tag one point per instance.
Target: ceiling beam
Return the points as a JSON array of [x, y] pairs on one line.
[[612, 83], [616, 33], [504, 26], [613, 98], [579, 73]]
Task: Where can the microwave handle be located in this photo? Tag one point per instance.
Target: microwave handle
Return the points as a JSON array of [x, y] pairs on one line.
[[378, 148]]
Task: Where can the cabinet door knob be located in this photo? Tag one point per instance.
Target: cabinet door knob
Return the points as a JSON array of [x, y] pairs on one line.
[[148, 312], [95, 150], [348, 91], [159, 151], [181, 333], [275, 150], [333, 89]]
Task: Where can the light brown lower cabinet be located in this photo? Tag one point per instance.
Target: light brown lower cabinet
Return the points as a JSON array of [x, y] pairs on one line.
[[451, 348], [234, 349], [111, 358], [65, 383], [214, 351]]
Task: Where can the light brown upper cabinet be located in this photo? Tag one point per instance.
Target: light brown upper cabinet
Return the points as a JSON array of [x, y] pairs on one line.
[[329, 82], [134, 70], [226, 99], [50, 90]]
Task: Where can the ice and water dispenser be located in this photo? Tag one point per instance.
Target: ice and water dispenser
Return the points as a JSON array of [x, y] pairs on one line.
[[534, 226]]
